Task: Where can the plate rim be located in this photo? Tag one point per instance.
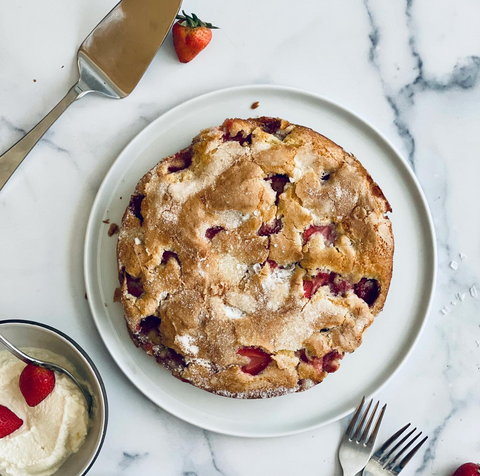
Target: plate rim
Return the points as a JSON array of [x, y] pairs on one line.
[[90, 240]]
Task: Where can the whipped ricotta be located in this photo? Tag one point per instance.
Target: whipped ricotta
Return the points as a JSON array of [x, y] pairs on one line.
[[51, 431]]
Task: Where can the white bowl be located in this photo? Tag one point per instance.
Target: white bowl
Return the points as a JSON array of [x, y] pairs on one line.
[[34, 334]]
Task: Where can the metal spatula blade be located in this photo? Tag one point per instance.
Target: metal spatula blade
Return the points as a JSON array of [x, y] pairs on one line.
[[111, 61]]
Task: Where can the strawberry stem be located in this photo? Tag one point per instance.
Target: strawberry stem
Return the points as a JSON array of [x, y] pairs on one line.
[[193, 21]]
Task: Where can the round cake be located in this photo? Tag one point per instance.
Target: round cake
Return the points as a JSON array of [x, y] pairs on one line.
[[253, 260]]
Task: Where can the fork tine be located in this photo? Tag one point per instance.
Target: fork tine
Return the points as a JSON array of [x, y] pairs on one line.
[[387, 457], [381, 451], [351, 426], [373, 436], [362, 421], [363, 438], [394, 459], [408, 457]]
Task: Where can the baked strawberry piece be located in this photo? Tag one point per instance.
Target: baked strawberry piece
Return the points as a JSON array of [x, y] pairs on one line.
[[258, 360]]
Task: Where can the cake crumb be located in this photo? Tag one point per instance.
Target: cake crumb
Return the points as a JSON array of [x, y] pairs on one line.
[[444, 310], [460, 296], [113, 229], [107, 221], [473, 292], [462, 256], [454, 265], [86, 296], [453, 303], [255, 105], [117, 295]]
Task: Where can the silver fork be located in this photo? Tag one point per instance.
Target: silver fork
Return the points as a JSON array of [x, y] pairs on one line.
[[387, 463], [355, 449]]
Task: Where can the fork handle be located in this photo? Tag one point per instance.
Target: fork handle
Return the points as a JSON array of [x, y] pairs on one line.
[[374, 469], [16, 352], [14, 156]]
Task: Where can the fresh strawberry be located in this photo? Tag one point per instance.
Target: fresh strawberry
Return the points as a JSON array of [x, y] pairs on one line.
[[468, 469], [190, 36], [9, 422], [258, 359], [36, 384]]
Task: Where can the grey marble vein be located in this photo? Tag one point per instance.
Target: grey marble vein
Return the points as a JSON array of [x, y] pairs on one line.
[[21, 132], [10, 126], [456, 406], [212, 453], [464, 76], [129, 459], [394, 100]]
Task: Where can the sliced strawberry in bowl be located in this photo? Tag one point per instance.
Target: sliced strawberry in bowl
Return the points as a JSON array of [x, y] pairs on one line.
[[259, 360], [9, 422], [36, 384]]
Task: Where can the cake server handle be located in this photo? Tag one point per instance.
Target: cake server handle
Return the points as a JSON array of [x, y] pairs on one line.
[[14, 156]]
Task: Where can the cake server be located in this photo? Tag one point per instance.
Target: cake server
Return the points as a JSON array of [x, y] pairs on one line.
[[111, 61]]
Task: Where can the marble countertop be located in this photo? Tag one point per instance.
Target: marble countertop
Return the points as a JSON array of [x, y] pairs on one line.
[[411, 68]]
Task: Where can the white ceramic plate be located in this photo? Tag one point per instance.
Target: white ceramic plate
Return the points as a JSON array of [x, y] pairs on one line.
[[387, 343]]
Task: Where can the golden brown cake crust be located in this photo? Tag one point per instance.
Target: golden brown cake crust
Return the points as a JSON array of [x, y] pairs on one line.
[[262, 234]]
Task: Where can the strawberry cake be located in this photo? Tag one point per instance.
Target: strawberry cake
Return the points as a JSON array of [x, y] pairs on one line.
[[253, 260]]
